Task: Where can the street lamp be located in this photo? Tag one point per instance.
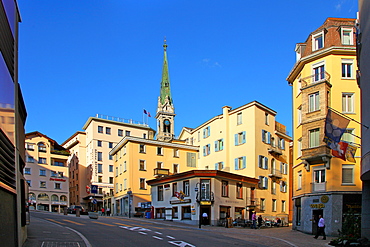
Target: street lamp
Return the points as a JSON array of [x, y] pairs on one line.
[[129, 193], [196, 189]]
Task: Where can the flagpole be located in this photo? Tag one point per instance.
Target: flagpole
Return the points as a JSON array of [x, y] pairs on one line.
[[348, 117]]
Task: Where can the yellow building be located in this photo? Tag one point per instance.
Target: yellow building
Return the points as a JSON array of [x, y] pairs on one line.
[[46, 172], [323, 77], [90, 163], [249, 142]]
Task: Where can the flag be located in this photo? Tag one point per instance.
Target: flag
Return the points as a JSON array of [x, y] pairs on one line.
[[350, 153], [335, 126], [88, 190], [149, 114], [145, 112], [340, 151]]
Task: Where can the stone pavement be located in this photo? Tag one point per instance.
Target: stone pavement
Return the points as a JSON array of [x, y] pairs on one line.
[[45, 233]]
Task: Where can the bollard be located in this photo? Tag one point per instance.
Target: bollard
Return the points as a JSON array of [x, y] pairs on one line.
[[77, 212], [65, 211]]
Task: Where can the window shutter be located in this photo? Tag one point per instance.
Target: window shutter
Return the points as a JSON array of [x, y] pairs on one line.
[[244, 162], [347, 175], [204, 133], [268, 137], [209, 130], [216, 146], [236, 164], [216, 166], [244, 137], [221, 146], [266, 182], [236, 139], [260, 161], [281, 167], [266, 162], [260, 185], [222, 165], [263, 136], [204, 150], [283, 144]]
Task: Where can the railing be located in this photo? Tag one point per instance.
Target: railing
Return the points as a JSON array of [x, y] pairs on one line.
[[281, 128], [161, 172], [207, 197], [61, 152], [253, 201], [122, 120], [275, 150], [275, 173], [318, 187], [315, 78]]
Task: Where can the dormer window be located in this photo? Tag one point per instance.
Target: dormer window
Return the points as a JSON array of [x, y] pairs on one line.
[[318, 41], [346, 36]]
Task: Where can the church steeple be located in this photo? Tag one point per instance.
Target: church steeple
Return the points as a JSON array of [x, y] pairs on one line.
[[165, 110]]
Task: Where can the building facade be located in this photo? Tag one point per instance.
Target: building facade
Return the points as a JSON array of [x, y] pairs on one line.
[[13, 188], [323, 78], [90, 162], [247, 141], [363, 60], [46, 173], [187, 196]]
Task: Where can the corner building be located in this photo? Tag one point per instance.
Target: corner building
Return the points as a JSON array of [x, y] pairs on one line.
[[323, 77], [249, 142]]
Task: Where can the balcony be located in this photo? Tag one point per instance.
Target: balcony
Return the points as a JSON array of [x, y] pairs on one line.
[[275, 174], [161, 172], [60, 152], [207, 196], [252, 202], [274, 150], [314, 79], [318, 187], [316, 155]]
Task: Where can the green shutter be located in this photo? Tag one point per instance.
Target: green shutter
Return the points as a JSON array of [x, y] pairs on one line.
[[244, 162], [236, 164], [244, 137], [216, 146], [236, 139]]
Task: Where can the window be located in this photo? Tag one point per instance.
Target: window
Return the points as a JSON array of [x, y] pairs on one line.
[[107, 130], [111, 180], [225, 188], [30, 159], [348, 136], [206, 132], [313, 102], [314, 138], [159, 151], [299, 114], [160, 193], [120, 132], [273, 188], [116, 187], [347, 102], [266, 137], [219, 166], [239, 118], [347, 65], [144, 136], [100, 156], [219, 145], [281, 143], [159, 165], [266, 118], [58, 163], [319, 176], [273, 205], [318, 41], [53, 174], [110, 168], [142, 184], [29, 146], [319, 72], [27, 171], [125, 184], [174, 189], [127, 133], [263, 162], [99, 143], [100, 179], [239, 138], [299, 180], [110, 157], [347, 36], [120, 187], [120, 169], [116, 171], [206, 150], [240, 163], [347, 174], [205, 189], [175, 168], [42, 184], [283, 206], [57, 186], [42, 172], [42, 160], [176, 153], [299, 147], [263, 204], [263, 182], [186, 188], [110, 145], [283, 186], [239, 190], [100, 129], [100, 168], [41, 147], [124, 166], [28, 182], [142, 148], [190, 160], [142, 165], [284, 168]]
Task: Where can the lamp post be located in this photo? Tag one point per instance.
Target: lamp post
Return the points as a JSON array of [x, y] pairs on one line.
[[129, 192], [196, 189]]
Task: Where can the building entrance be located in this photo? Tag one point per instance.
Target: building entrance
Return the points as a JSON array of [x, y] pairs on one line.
[[315, 220]]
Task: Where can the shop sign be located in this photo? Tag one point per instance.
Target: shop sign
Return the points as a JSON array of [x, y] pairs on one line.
[[57, 179], [205, 203], [319, 205], [179, 201]]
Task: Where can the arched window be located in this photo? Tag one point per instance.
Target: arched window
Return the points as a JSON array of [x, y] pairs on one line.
[[55, 198], [273, 166], [43, 197], [63, 198], [42, 147], [31, 196]]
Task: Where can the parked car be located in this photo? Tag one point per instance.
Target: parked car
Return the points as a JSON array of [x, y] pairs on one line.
[[72, 209]]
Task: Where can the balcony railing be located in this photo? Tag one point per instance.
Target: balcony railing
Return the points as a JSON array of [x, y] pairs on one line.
[[60, 152], [253, 201], [275, 173], [314, 155], [275, 150], [315, 78], [317, 187], [161, 172], [122, 120], [205, 196]]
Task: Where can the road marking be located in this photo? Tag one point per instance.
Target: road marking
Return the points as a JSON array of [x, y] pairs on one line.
[[73, 222], [55, 221], [158, 233], [101, 223], [144, 233], [157, 238], [181, 244], [170, 237]]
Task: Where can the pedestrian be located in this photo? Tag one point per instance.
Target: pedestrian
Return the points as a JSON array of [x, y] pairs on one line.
[[321, 228], [205, 218], [259, 220], [254, 218], [108, 211], [102, 211]]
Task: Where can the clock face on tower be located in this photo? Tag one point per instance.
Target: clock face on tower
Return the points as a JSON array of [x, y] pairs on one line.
[[166, 122]]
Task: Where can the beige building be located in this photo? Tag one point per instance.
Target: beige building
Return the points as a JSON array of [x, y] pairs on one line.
[[46, 172], [323, 78], [247, 141], [90, 161]]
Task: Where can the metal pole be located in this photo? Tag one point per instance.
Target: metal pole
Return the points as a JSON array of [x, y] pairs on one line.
[[200, 217]]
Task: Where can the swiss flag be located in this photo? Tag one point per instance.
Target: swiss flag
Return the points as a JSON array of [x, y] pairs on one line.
[[340, 151]]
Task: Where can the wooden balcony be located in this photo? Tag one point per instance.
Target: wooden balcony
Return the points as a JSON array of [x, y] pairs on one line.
[[316, 155], [252, 202], [161, 172], [274, 150], [275, 174]]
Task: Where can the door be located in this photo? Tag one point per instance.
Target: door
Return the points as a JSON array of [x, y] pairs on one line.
[[207, 210], [315, 219]]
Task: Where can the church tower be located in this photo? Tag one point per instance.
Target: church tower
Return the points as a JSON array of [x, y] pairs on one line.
[[165, 111]]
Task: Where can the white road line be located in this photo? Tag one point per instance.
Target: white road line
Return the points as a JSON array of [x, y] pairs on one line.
[[170, 237], [144, 233], [157, 238], [158, 233]]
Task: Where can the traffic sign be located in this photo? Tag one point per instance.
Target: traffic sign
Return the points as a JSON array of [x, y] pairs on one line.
[[94, 201], [94, 189]]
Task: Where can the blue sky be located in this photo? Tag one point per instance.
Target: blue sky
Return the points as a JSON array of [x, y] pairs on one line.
[[80, 58]]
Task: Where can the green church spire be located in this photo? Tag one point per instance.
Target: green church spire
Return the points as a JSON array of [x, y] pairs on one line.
[[165, 83]]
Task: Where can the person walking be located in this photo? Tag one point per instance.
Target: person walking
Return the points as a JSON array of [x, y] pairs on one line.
[[108, 211], [102, 211], [259, 221], [321, 228], [254, 219]]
